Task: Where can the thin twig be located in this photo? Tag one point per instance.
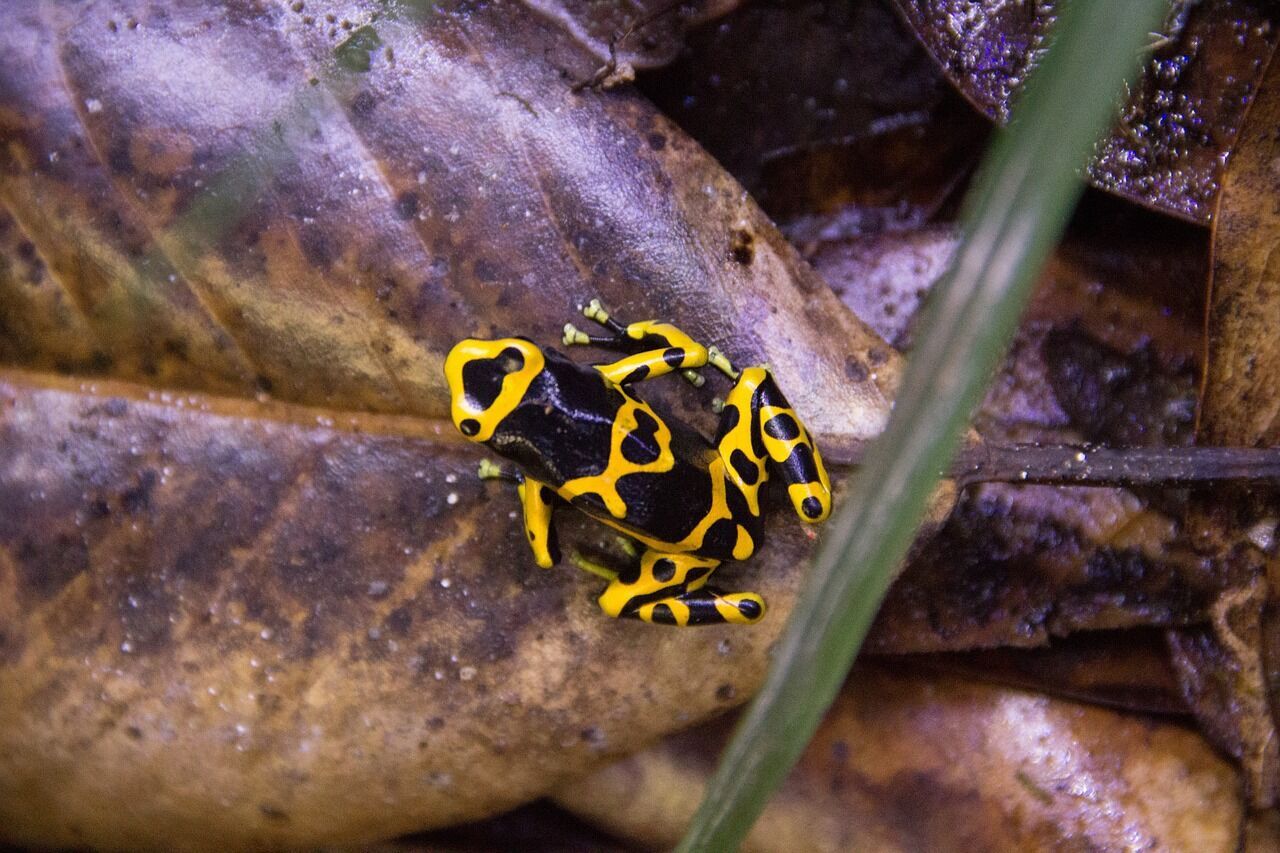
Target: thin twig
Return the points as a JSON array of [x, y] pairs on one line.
[[1116, 466], [1061, 464]]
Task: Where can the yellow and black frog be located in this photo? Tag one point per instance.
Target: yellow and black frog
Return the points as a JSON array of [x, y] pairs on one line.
[[580, 435]]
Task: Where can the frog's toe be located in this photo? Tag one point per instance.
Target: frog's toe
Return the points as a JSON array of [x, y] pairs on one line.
[[593, 310]]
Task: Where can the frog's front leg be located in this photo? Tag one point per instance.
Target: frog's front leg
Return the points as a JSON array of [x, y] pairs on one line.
[[655, 348], [760, 431], [670, 589], [537, 499]]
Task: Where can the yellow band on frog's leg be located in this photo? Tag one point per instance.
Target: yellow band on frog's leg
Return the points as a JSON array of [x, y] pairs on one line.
[[756, 416], [704, 607], [666, 348], [536, 500], [793, 454], [658, 362]]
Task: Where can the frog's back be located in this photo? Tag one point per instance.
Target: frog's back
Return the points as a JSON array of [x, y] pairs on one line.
[[614, 457]]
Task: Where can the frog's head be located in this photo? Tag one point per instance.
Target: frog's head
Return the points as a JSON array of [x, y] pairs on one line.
[[487, 380]]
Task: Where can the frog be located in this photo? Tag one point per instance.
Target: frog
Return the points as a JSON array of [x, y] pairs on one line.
[[580, 436]]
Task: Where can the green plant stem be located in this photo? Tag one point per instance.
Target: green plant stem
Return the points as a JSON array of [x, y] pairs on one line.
[[1014, 214]]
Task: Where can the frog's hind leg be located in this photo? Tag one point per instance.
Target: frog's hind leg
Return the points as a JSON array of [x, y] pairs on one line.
[[655, 348], [670, 589], [706, 606], [759, 432]]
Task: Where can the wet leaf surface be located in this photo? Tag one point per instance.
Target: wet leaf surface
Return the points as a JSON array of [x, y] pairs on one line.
[[1173, 136], [243, 561], [910, 763]]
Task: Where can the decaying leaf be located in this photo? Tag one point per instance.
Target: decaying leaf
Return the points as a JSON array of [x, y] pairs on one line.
[[1241, 402], [644, 35], [334, 232], [1107, 353], [242, 562], [909, 763], [246, 563], [885, 277], [860, 119], [301, 627], [1129, 670], [1224, 676], [1169, 146], [1229, 669]]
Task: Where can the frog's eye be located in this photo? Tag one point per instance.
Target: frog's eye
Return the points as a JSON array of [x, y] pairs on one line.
[[510, 360], [482, 377]]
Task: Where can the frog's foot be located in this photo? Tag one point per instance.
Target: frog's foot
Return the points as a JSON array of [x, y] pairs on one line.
[[593, 310], [721, 362], [616, 339], [706, 606], [489, 470]]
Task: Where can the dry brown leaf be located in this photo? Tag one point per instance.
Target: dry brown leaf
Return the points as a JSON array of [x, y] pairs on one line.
[[1229, 670], [910, 763], [251, 591], [1241, 403], [222, 224], [1262, 832], [243, 625]]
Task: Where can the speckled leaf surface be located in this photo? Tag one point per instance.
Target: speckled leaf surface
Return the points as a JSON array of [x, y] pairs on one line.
[[251, 592], [903, 762], [224, 620], [324, 234], [1171, 141]]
